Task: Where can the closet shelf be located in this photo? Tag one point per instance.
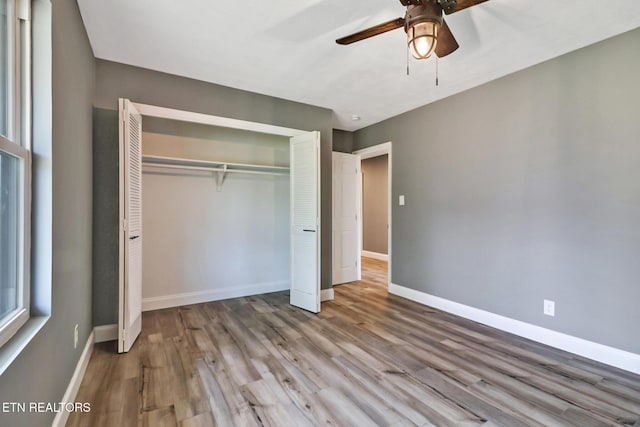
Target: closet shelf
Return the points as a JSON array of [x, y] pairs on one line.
[[221, 168], [237, 167]]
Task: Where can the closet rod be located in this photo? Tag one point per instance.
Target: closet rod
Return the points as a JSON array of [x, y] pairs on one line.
[[210, 169], [208, 163]]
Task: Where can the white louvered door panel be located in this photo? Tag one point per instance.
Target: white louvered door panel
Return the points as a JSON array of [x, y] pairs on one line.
[[305, 221], [130, 318], [134, 173], [305, 207]]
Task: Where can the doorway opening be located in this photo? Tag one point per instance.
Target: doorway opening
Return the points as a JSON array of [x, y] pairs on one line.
[[361, 254], [375, 164]]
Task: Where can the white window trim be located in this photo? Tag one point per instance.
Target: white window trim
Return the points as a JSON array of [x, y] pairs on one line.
[[20, 316], [12, 70], [17, 144]]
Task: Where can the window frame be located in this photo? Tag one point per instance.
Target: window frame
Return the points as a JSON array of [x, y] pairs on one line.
[[17, 144]]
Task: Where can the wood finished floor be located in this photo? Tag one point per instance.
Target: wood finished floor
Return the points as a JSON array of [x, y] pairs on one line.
[[368, 358]]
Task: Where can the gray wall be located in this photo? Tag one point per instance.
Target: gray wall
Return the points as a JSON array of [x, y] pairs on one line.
[[342, 141], [375, 204], [43, 370], [114, 80], [105, 217], [527, 188]]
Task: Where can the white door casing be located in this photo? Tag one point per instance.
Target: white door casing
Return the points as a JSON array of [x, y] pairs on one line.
[[347, 202], [130, 286], [305, 221], [305, 248], [375, 151]]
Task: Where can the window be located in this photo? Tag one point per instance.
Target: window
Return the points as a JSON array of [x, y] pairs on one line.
[[15, 168]]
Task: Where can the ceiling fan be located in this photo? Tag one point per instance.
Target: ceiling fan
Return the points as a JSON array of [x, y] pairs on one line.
[[427, 32]]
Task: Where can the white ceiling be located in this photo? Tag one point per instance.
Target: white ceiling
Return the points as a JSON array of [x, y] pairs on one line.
[[286, 48]]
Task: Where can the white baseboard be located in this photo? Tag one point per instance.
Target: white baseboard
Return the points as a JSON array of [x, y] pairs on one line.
[[176, 300], [375, 255], [74, 385], [105, 333], [326, 294], [609, 355]]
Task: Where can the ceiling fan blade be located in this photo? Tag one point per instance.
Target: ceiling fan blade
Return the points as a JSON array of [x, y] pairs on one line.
[[373, 31], [446, 42], [453, 6]]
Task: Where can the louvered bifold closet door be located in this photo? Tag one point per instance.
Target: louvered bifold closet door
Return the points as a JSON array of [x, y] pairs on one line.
[[134, 174], [131, 292], [305, 221]]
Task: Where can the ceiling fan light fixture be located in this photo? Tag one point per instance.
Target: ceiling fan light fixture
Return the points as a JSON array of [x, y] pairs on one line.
[[422, 38]]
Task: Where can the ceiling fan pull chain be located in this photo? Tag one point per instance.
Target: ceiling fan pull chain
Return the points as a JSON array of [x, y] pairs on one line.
[[407, 60], [436, 70]]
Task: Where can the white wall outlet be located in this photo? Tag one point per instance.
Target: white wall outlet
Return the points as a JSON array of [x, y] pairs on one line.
[[549, 307], [401, 200], [75, 336]]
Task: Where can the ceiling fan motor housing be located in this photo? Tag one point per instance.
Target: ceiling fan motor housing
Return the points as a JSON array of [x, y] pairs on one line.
[[448, 5], [430, 11]]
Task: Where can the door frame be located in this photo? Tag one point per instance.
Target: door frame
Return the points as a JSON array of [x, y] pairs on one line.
[[375, 151], [146, 110]]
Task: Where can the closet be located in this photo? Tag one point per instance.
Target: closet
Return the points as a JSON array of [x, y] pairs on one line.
[[214, 208]]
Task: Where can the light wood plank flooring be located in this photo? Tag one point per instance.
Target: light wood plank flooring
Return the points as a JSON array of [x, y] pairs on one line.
[[367, 359]]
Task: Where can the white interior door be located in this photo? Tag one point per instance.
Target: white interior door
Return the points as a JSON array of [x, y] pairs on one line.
[[305, 221], [130, 295], [347, 201]]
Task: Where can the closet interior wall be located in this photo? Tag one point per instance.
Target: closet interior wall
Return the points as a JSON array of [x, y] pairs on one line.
[[201, 244]]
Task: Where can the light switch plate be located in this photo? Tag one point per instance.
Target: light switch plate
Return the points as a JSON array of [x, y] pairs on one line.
[[549, 308], [401, 200]]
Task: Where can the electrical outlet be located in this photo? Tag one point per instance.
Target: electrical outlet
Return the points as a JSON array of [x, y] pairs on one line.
[[75, 336], [549, 307]]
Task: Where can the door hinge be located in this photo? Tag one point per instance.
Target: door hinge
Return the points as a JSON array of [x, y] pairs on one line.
[[24, 10]]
